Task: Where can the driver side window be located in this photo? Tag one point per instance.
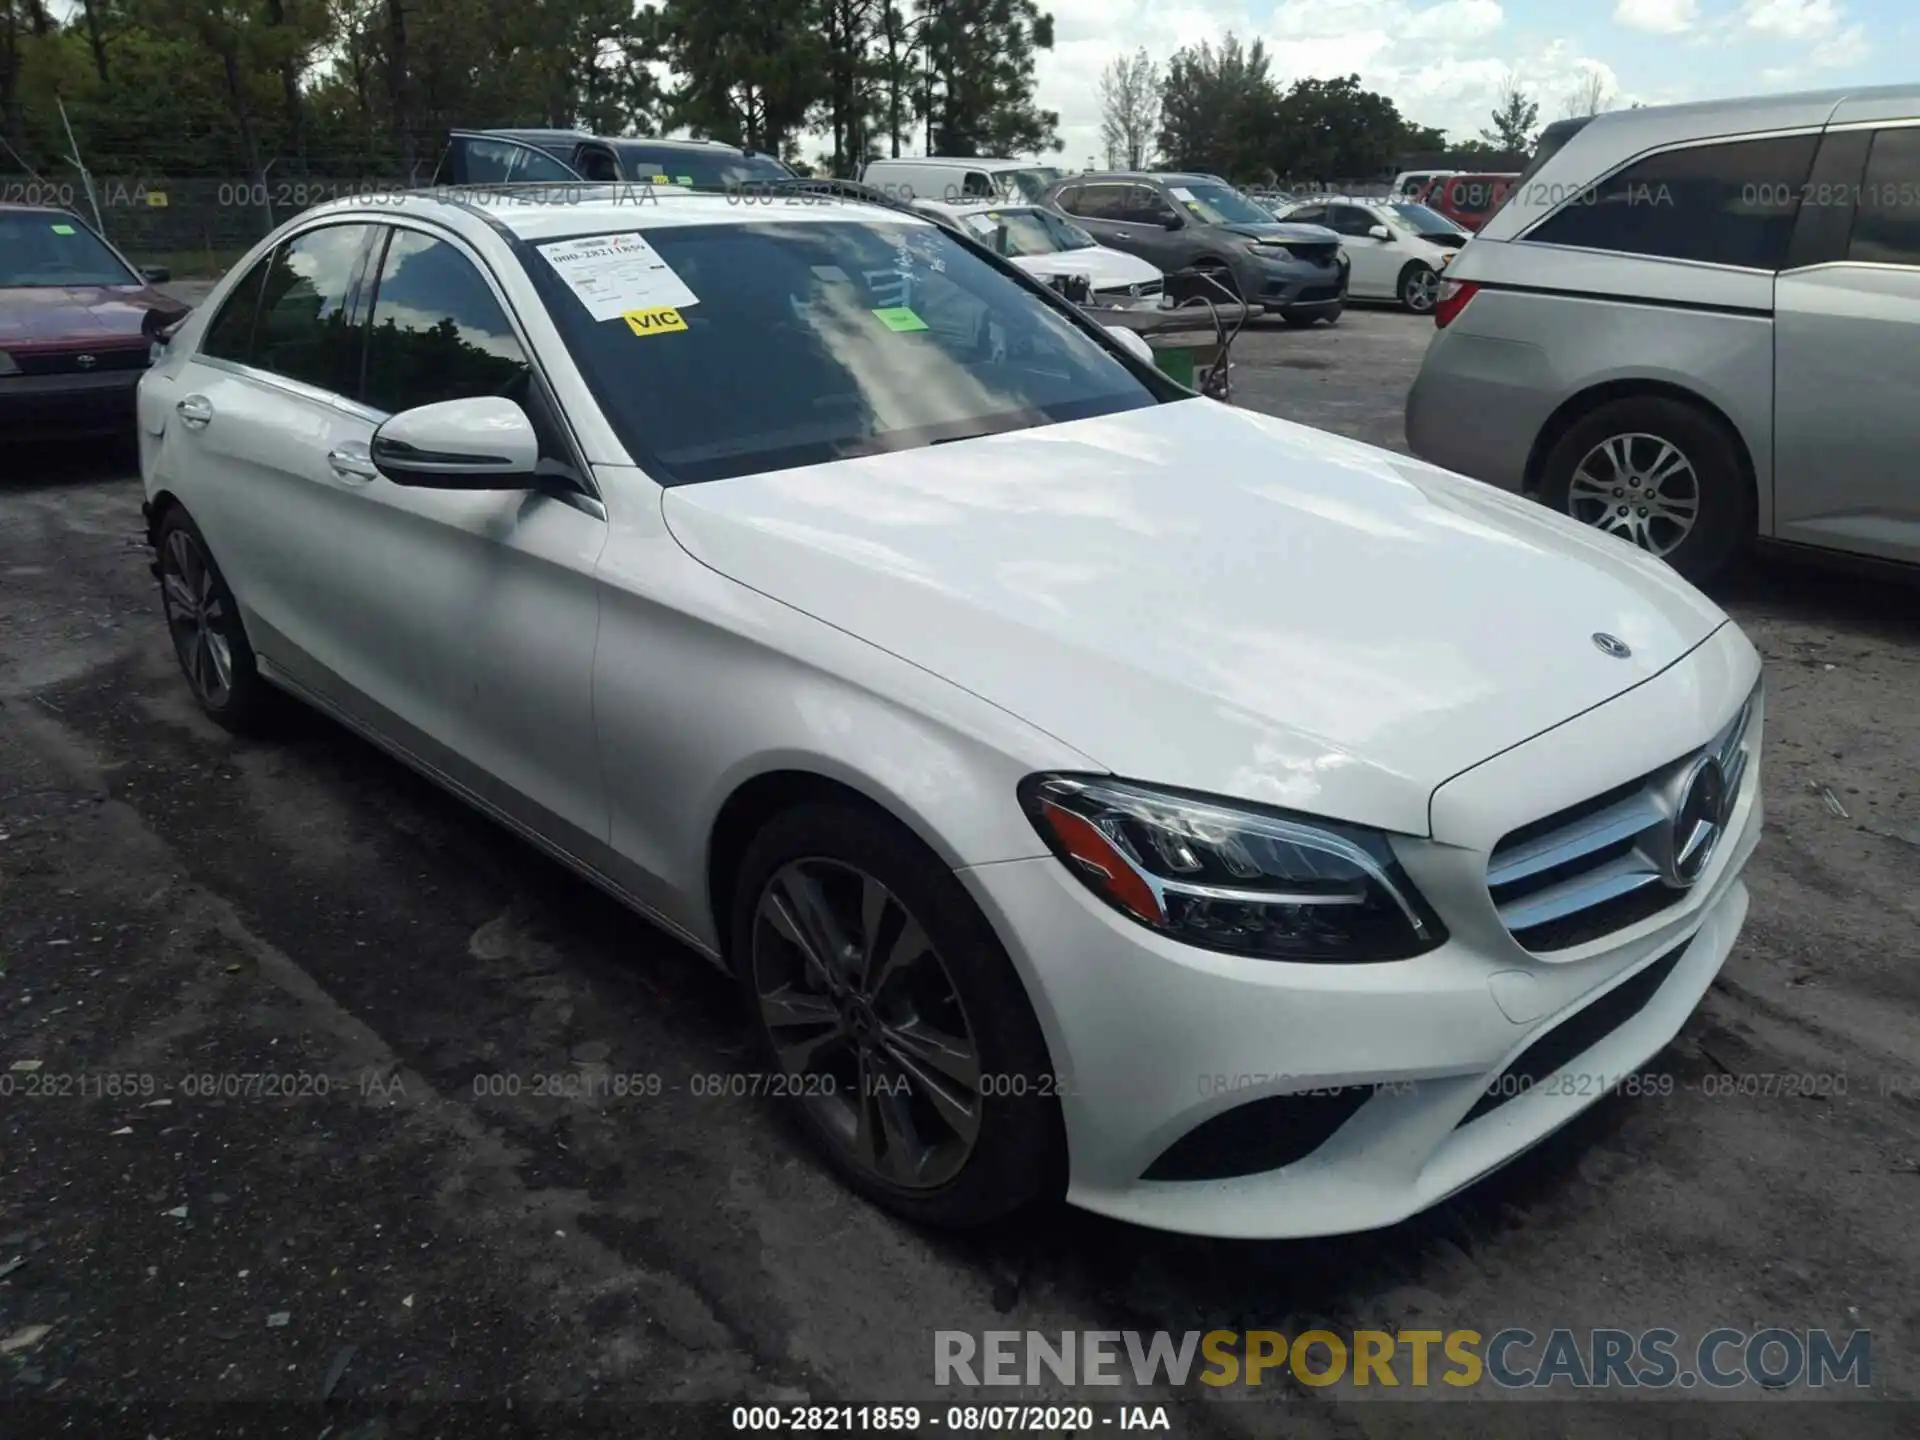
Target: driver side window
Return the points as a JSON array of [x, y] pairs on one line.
[[1147, 206], [1352, 220], [437, 332]]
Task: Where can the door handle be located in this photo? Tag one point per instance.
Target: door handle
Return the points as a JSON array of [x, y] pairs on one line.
[[196, 411], [352, 462]]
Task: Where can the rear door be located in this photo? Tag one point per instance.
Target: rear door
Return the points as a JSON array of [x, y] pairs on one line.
[[1101, 209], [1375, 263], [1847, 349]]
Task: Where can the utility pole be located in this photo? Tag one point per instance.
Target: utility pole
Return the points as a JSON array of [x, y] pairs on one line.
[[73, 154]]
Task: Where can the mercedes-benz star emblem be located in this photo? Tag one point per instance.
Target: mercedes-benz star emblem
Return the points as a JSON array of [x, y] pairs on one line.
[[1705, 804], [1618, 649], [85, 362]]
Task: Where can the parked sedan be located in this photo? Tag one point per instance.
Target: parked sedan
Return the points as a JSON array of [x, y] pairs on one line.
[[1091, 789], [71, 309], [1395, 250], [1045, 243]]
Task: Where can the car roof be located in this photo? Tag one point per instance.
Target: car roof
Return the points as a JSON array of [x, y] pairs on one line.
[[538, 213], [1164, 177], [961, 162], [574, 137]]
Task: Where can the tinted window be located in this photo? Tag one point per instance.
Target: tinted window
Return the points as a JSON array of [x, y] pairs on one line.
[[438, 333], [702, 169], [52, 248], [1100, 202], [1886, 220], [817, 341], [1727, 204], [978, 186], [303, 331], [1147, 206], [230, 335], [596, 164], [1351, 220], [1307, 215], [505, 162]]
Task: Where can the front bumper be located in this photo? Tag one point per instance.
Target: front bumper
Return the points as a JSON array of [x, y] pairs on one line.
[[48, 406], [1294, 286], [1152, 1039]]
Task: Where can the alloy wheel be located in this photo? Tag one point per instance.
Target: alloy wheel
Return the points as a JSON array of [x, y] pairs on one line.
[[867, 1022], [197, 618], [1421, 292], [1639, 487]]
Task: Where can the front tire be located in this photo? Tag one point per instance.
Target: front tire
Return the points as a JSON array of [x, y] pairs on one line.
[[1420, 288], [204, 623], [885, 1007], [1659, 473]]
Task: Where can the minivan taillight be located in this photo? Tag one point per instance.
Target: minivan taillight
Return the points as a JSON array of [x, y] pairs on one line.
[[1454, 297]]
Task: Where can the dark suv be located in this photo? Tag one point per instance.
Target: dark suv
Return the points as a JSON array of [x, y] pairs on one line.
[[1177, 221]]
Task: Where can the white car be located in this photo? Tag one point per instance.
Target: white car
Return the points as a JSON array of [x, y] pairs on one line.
[[1397, 250], [1045, 243], [1093, 789]]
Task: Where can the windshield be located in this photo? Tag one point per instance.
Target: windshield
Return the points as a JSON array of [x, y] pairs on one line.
[[49, 248], [803, 342], [700, 170], [1029, 232], [1424, 221], [1028, 184], [1219, 204]]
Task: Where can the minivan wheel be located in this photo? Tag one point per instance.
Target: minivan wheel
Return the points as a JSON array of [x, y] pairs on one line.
[[1658, 473], [890, 1017], [204, 624], [1419, 288]]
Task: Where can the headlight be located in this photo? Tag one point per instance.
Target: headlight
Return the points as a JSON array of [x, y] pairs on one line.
[[7, 367], [1227, 876]]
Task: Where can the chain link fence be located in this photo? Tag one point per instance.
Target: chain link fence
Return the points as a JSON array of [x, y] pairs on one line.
[[198, 224]]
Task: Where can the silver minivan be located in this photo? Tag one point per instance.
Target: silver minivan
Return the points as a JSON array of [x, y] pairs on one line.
[[1694, 325]]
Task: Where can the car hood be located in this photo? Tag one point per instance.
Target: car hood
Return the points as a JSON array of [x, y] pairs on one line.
[[1213, 599], [1103, 268], [77, 314], [1283, 232]]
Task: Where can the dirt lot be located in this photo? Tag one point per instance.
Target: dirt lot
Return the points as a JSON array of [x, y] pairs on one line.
[[175, 904]]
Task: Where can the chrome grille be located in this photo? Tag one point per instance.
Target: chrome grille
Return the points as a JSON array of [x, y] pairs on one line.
[[1614, 859], [1145, 287]]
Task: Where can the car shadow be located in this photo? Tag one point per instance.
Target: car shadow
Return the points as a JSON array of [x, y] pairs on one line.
[[85, 460], [1825, 591]]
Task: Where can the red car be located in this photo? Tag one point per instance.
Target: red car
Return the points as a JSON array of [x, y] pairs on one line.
[[1469, 200], [72, 312]]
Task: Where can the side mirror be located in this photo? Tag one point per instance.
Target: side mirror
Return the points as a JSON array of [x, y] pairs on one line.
[[1379, 232], [155, 274], [486, 443], [159, 325], [1173, 222], [1132, 341]]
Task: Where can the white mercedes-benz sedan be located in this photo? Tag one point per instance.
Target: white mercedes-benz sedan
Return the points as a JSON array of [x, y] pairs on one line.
[[1094, 790]]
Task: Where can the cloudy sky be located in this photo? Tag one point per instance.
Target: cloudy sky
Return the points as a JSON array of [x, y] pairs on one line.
[[1442, 60]]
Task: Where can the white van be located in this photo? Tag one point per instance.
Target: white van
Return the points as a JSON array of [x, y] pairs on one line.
[[950, 179]]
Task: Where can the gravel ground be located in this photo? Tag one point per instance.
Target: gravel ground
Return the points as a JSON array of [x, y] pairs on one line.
[[177, 904]]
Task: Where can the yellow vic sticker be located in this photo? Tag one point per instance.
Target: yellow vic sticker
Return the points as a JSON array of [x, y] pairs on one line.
[[660, 180], [656, 321]]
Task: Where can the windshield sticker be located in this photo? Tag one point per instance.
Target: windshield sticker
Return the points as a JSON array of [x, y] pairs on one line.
[[616, 274], [661, 180], [683, 180], [660, 320], [1180, 192], [63, 230], [832, 274], [899, 319]]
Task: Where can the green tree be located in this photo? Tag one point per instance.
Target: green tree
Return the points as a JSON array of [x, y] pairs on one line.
[[1218, 109], [1515, 119], [977, 87], [1333, 130], [1129, 109], [750, 70]]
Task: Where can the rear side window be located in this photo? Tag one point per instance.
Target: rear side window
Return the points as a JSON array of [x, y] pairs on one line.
[[1728, 204], [438, 333], [1100, 202], [303, 331], [1886, 219], [230, 335], [979, 186], [507, 162]]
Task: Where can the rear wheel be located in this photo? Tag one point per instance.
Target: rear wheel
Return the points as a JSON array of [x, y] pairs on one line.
[[1658, 473], [888, 1012], [204, 624]]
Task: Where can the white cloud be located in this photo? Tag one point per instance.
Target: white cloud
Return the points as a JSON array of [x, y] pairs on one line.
[[1657, 17], [1793, 19], [1849, 47]]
